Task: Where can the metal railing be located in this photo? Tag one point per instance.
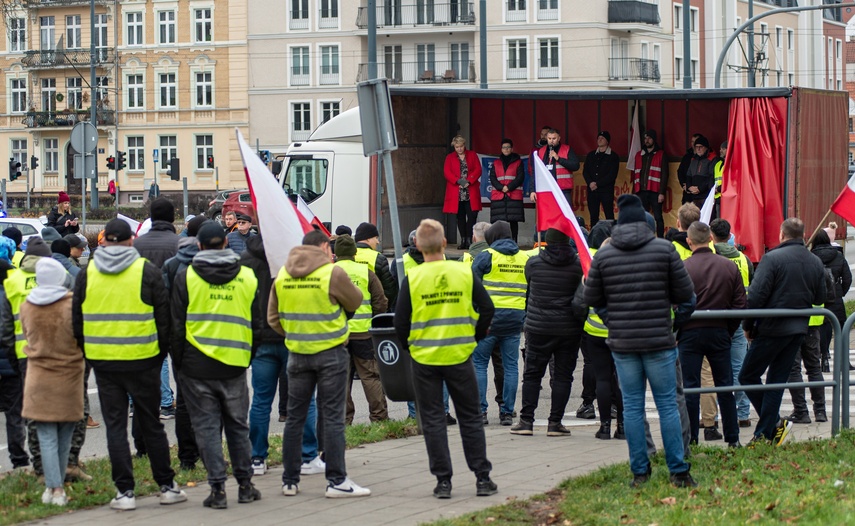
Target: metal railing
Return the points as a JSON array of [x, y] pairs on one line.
[[427, 72], [40, 119], [837, 383], [633, 12], [420, 13], [634, 69], [49, 58]]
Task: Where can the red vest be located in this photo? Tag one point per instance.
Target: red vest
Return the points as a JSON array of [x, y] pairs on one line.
[[654, 176], [562, 175], [505, 178]]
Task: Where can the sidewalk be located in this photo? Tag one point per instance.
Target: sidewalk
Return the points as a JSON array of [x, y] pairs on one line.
[[401, 485]]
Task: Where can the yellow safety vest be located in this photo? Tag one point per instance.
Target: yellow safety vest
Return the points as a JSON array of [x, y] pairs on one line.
[[467, 258], [358, 273], [742, 264], [533, 252], [219, 317], [117, 324], [818, 320], [593, 323], [18, 286], [311, 322], [443, 319], [17, 257], [366, 256], [506, 282], [683, 252], [718, 173]]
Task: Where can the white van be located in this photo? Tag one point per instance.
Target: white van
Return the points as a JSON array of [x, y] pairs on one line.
[[332, 175]]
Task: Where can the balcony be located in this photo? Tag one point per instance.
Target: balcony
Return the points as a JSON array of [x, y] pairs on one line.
[[298, 20], [546, 14], [423, 73], [424, 13], [41, 119], [328, 19], [52, 58], [633, 12], [61, 3], [634, 69]]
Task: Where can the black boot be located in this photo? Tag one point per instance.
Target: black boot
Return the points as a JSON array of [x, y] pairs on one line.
[[619, 433], [826, 365], [247, 492], [217, 498], [605, 432]]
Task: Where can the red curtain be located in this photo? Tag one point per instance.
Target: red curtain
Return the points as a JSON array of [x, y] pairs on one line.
[[754, 171]]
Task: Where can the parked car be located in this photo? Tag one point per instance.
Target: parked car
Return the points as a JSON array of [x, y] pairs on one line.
[[240, 202], [28, 226], [215, 207]]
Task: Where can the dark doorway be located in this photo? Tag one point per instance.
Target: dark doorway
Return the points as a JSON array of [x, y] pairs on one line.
[[73, 186]]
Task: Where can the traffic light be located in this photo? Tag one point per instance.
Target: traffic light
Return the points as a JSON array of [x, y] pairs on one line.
[[265, 156], [14, 169], [111, 163], [174, 171], [121, 160], [210, 161], [34, 162]]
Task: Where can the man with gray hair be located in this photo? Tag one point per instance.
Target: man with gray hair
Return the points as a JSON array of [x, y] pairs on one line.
[[479, 243]]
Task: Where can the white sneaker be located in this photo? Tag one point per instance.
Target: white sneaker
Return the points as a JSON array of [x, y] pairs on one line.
[[124, 501], [47, 496], [315, 466], [59, 499], [289, 490], [259, 466], [172, 494], [346, 489]]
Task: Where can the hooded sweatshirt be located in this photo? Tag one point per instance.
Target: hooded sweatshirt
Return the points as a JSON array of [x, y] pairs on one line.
[[187, 249], [302, 261], [731, 252], [505, 321], [216, 267], [114, 259]]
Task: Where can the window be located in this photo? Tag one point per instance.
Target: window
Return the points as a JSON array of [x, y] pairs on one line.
[[168, 150], [136, 154], [17, 34], [51, 155], [301, 120], [764, 30], [460, 60], [300, 66], [838, 49], [839, 85], [135, 91], [779, 37], [695, 78], [204, 89], [307, 177], [134, 34], [791, 78], [329, 14], [791, 40], [47, 34], [74, 95], [49, 95], [72, 32], [426, 58], [678, 68], [330, 110], [329, 65], [299, 14], [517, 59], [780, 78], [203, 25], [657, 55], [19, 151], [393, 65], [168, 90], [516, 11], [678, 18], [548, 60], [204, 149], [18, 89], [166, 27], [101, 37], [101, 84], [694, 20], [547, 10]]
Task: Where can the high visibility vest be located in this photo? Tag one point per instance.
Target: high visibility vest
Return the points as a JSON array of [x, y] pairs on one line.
[[719, 176], [410, 263], [358, 274], [117, 324], [505, 283], [593, 323], [818, 320], [366, 256], [219, 317], [18, 286], [17, 257], [442, 331], [534, 251], [654, 174], [683, 252], [742, 264], [311, 322], [467, 258], [505, 178], [563, 176]]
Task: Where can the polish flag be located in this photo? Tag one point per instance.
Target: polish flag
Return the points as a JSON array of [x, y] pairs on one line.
[[709, 206], [281, 226], [553, 211], [309, 216], [844, 205], [634, 142]]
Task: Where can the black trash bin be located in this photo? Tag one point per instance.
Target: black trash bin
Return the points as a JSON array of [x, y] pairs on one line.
[[393, 359]]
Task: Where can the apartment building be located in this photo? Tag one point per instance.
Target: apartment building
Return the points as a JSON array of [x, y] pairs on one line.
[[171, 83]]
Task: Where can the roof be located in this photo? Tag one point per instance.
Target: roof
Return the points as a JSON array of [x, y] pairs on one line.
[[477, 93]]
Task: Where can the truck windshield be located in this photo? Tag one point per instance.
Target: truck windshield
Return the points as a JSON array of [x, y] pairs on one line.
[[306, 177]]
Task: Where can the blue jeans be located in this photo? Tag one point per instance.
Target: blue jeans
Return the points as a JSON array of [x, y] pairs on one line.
[[509, 346], [55, 443], [166, 394], [411, 406], [659, 369], [270, 361], [738, 348]]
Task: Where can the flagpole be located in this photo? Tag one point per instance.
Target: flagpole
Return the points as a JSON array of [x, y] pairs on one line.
[[821, 222]]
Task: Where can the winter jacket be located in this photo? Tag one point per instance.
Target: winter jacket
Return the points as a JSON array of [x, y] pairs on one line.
[[788, 277], [237, 241], [602, 168], [718, 286], [379, 303], [507, 209], [113, 260], [384, 274], [67, 264], [255, 258], [451, 171], [552, 276], [7, 338], [832, 258], [186, 251], [638, 277], [505, 321], [57, 220], [701, 173], [158, 244]]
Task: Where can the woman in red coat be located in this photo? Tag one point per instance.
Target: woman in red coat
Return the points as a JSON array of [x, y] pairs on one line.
[[462, 188]]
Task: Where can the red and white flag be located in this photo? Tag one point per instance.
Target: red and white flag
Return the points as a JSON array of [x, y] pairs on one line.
[[282, 228], [310, 216], [553, 211], [634, 141], [844, 205]]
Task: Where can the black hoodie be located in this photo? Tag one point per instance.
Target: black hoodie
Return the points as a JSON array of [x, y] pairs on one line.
[[255, 258], [552, 276], [833, 259]]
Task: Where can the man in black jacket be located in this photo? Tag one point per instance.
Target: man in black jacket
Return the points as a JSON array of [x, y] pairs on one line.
[[367, 239], [600, 171], [788, 277], [700, 177], [640, 335]]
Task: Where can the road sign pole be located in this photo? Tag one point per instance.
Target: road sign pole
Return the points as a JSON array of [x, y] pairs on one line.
[[186, 198]]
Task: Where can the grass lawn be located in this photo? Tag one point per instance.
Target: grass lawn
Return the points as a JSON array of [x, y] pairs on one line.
[[20, 492], [809, 482]]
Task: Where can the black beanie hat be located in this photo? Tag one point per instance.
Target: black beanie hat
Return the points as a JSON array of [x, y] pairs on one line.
[[606, 135], [703, 141], [556, 237], [14, 234], [162, 209], [345, 246], [61, 246], [195, 224], [365, 231], [498, 230], [630, 209], [343, 229], [37, 247], [651, 134]]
